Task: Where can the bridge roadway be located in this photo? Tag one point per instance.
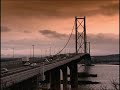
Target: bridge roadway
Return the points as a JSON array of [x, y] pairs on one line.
[[24, 73]]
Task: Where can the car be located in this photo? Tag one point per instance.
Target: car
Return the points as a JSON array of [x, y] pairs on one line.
[[50, 59], [27, 64], [33, 64], [46, 60], [67, 54], [64, 57], [57, 59], [25, 59], [4, 70]]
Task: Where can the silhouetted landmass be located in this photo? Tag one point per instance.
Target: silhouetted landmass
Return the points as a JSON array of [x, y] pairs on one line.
[[107, 59], [15, 62], [84, 74], [83, 82]]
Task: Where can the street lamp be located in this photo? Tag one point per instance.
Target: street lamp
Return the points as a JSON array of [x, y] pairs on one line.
[[89, 47], [41, 53], [13, 52], [30, 52], [50, 50], [43, 77], [33, 52]]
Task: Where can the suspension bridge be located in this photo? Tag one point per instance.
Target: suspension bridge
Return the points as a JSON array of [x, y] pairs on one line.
[[28, 78]]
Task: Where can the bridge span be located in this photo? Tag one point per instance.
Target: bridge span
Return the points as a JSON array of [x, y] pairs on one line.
[[23, 80], [29, 77]]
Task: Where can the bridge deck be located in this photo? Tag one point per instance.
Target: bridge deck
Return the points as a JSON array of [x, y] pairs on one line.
[[23, 75]]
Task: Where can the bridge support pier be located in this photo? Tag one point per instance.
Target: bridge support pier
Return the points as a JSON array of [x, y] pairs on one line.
[[87, 60], [73, 76], [30, 84], [47, 77], [55, 79], [64, 74]]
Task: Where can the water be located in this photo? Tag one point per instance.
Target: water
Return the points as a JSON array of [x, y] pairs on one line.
[[105, 75]]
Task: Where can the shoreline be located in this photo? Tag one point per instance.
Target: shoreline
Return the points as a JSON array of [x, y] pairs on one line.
[[102, 64]]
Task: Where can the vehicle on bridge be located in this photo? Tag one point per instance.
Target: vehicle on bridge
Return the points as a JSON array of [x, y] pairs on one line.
[[47, 60], [4, 70], [27, 64], [33, 64], [25, 59]]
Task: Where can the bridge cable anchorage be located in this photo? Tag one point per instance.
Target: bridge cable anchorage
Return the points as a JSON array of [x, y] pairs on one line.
[[66, 42]]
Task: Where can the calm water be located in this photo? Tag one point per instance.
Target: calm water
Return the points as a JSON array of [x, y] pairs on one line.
[[105, 74]]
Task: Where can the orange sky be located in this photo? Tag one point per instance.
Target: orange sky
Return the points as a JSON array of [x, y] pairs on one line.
[[23, 20]]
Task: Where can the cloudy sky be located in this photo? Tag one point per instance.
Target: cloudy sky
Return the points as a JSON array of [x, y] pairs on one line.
[[48, 24]]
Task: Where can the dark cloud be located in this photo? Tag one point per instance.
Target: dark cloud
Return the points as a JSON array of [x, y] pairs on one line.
[[52, 34], [25, 43], [110, 9], [5, 29], [100, 43], [26, 31], [103, 39], [100, 38], [59, 8]]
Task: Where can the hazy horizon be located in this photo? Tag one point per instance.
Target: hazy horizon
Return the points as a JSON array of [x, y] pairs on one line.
[[47, 24]]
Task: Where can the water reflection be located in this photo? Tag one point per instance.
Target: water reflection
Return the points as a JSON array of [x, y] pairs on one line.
[[83, 78], [105, 73]]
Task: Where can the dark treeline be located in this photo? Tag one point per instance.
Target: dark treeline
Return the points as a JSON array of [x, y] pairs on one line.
[[110, 59]]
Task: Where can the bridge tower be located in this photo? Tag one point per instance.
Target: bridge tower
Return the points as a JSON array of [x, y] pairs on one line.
[[81, 44], [80, 38]]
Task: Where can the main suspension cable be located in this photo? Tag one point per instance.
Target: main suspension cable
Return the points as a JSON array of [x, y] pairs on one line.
[[66, 42]]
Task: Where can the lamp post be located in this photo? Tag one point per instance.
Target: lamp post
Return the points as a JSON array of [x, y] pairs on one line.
[[33, 52], [41, 53], [13, 53], [43, 78], [30, 52], [89, 47], [50, 50]]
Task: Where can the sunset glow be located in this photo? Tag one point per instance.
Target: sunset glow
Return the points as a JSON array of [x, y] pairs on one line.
[[23, 20]]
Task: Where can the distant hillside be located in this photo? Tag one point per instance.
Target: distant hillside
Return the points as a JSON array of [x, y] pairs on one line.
[[113, 59]]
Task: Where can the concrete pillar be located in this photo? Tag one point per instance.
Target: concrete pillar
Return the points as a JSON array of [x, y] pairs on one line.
[[87, 60], [64, 74], [34, 83], [73, 76], [55, 79], [29, 84], [47, 77]]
